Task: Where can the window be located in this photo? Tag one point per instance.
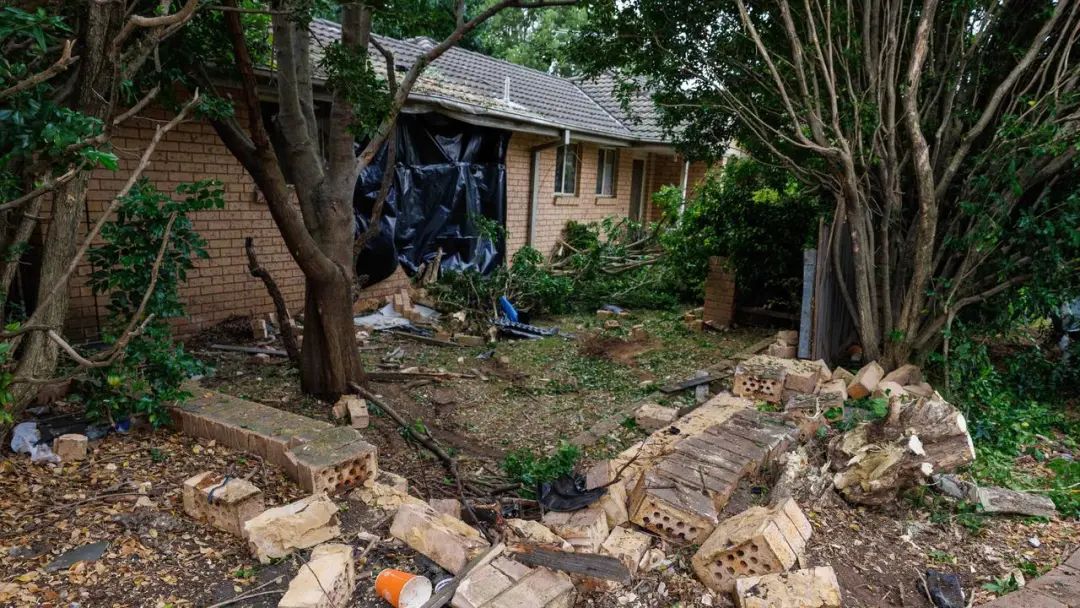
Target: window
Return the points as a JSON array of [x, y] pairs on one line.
[[605, 171], [566, 169]]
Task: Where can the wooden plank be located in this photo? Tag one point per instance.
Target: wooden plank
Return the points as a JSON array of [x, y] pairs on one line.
[[251, 350], [424, 339], [589, 564], [443, 596], [809, 271]]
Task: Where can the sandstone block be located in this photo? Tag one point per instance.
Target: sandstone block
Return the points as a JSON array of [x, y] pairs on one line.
[[70, 447], [783, 351], [358, 412], [652, 416], [533, 531], [834, 391], [327, 580], [611, 324], [488, 582], [335, 459], [260, 329], [604, 315], [662, 506], [905, 374], [843, 374], [889, 389], [810, 588], [628, 545], [789, 337], [585, 529], [803, 376], [541, 588], [760, 378], [614, 505], [446, 540], [755, 542], [223, 502], [865, 381], [279, 531], [447, 506]]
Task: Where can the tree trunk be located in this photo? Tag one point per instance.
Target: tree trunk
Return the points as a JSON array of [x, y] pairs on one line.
[[329, 358]]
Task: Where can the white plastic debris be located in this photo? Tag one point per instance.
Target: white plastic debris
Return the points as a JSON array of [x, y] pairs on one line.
[[24, 440]]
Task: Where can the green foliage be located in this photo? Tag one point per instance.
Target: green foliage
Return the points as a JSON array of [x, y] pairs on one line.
[[532, 469], [535, 38], [527, 282], [1002, 585], [149, 374], [351, 73], [756, 216]]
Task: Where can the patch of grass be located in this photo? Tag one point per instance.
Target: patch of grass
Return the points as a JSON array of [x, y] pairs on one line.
[[941, 557]]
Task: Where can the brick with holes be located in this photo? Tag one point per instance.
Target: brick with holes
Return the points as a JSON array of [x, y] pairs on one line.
[[223, 502], [585, 529], [760, 378], [755, 542], [335, 459], [668, 508]]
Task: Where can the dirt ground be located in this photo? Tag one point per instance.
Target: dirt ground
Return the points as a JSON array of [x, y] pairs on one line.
[[128, 493]]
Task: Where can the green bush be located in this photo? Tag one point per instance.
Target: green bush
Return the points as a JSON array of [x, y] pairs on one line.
[[526, 282], [149, 374], [758, 217], [531, 469]]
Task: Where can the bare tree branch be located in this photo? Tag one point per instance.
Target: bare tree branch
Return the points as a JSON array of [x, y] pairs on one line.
[[61, 64]]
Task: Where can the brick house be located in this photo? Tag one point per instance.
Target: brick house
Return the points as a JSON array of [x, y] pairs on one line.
[[610, 164]]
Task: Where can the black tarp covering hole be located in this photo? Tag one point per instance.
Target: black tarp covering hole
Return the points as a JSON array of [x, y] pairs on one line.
[[449, 189]]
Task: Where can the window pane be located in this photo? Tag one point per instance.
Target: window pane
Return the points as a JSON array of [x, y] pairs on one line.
[[609, 174], [600, 172], [570, 170], [560, 154]]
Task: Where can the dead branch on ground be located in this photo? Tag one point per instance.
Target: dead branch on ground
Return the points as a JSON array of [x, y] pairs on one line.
[[288, 335]]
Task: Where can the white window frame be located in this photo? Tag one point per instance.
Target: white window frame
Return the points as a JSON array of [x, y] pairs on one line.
[[562, 188], [607, 165]]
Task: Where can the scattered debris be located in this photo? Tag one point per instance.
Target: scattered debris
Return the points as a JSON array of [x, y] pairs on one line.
[[918, 437], [326, 580], [944, 589], [446, 540], [628, 545], [223, 502], [865, 381], [359, 418], [305, 523], [447, 506], [1010, 502], [251, 350], [402, 589], [585, 529], [530, 531], [487, 582], [85, 553]]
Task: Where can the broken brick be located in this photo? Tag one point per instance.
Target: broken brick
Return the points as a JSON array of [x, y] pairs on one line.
[[332, 460], [760, 378], [628, 545], [488, 582], [326, 580], [653, 416], [70, 447], [865, 381], [279, 531], [541, 588], [810, 588], [667, 508], [223, 502], [443, 539], [585, 529]]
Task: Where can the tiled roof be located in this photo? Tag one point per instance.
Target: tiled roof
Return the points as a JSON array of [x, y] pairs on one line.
[[486, 85]]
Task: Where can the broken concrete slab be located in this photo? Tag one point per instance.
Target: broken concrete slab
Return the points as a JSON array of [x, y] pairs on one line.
[[70, 447], [279, 531], [333, 460], [755, 542], [1002, 501], [223, 502], [327, 580], [541, 588], [628, 545], [865, 381], [653, 416], [585, 529], [528, 530], [443, 539], [810, 588], [487, 582], [760, 378]]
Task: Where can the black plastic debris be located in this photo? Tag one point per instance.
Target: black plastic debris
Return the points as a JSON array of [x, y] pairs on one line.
[[944, 589], [448, 193], [523, 330], [568, 493], [85, 553]]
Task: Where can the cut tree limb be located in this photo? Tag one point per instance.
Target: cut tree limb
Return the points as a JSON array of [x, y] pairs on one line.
[[288, 336]]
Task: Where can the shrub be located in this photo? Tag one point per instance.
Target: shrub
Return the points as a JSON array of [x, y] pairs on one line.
[[531, 469], [153, 366]]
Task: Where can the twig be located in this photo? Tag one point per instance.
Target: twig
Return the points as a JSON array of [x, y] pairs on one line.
[[257, 271], [245, 596]]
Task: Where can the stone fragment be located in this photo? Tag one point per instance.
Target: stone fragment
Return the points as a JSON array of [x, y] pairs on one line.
[[383, 494], [638, 333], [279, 531], [541, 588], [445, 540], [84, 553], [340, 409], [653, 416], [810, 588], [487, 582], [1003, 501], [223, 502], [529, 530], [70, 447], [260, 329], [358, 412], [585, 529], [760, 378], [628, 545], [447, 506], [755, 542], [865, 382], [604, 314], [335, 459], [905, 374], [613, 502], [783, 351], [327, 580]]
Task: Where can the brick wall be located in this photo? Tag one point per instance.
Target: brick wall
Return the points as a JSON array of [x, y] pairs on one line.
[[221, 287], [719, 293]]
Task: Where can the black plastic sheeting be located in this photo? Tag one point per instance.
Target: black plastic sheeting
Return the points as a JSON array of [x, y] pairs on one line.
[[447, 175]]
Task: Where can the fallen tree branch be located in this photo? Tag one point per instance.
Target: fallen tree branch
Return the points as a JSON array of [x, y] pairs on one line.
[[288, 337]]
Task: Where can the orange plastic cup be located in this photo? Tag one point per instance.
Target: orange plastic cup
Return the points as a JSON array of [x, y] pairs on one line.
[[402, 589]]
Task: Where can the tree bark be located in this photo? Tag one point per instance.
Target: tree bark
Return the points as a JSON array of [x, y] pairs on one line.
[[329, 360]]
